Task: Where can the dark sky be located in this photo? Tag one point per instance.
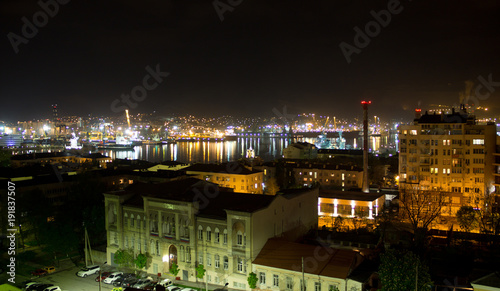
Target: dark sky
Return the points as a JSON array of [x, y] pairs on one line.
[[264, 55]]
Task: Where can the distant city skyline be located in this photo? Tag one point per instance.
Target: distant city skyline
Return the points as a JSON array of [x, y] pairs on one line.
[[251, 60]]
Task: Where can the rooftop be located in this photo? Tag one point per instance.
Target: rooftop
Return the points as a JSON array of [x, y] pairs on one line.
[[278, 253]]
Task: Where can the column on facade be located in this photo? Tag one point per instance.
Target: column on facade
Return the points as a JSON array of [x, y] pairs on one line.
[[335, 207], [176, 226], [160, 224], [370, 214]]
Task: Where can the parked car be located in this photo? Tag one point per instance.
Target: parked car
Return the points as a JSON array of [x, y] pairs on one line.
[[113, 277], [32, 286], [188, 289], [103, 276], [150, 286], [142, 283], [129, 282], [87, 271], [52, 288], [49, 269], [39, 273], [173, 288], [27, 284], [40, 287], [165, 282]]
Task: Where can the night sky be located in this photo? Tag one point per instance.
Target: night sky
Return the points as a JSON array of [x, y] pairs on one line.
[[263, 55]]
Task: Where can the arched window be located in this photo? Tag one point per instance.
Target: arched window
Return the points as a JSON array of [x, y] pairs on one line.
[[132, 220], [152, 247], [125, 219], [188, 255], [224, 237], [181, 250], [217, 261], [217, 236], [209, 233], [200, 232], [226, 263]]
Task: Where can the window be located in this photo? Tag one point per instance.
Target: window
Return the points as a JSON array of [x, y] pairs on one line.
[[188, 254], [181, 253], [240, 265], [317, 286], [217, 237], [209, 234], [289, 283], [225, 237], [217, 261], [478, 141], [209, 260], [276, 281], [262, 278], [239, 239], [226, 263], [200, 259], [157, 248], [200, 232]]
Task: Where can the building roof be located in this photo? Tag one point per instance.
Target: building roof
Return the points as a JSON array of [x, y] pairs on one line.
[[33, 156], [226, 168], [491, 280], [212, 200], [454, 117], [341, 152], [349, 195], [318, 260], [302, 145]]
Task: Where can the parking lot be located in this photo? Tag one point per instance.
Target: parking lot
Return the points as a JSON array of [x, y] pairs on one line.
[[68, 281]]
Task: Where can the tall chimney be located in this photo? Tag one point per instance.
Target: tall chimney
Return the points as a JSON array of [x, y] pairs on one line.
[[418, 113], [366, 186]]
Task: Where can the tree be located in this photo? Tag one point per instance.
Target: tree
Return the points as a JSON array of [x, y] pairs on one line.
[[124, 258], [5, 156], [272, 186], [174, 269], [142, 260], [420, 208], [402, 270], [467, 218], [338, 223], [252, 280], [200, 271]]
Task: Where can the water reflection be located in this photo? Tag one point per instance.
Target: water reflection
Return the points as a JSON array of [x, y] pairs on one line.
[[205, 151]]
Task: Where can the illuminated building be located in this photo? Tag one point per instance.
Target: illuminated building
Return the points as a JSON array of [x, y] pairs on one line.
[[193, 222], [450, 153], [242, 180]]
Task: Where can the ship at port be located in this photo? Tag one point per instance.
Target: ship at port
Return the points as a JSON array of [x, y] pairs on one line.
[[121, 143]]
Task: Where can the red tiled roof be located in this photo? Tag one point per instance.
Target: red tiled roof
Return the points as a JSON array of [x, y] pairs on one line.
[[318, 260]]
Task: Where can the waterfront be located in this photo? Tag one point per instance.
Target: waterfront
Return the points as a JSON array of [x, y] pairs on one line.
[[202, 151], [205, 151]]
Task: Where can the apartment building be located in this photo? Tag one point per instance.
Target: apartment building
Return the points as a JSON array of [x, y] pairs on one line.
[[451, 153], [229, 175], [308, 173], [191, 221]]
